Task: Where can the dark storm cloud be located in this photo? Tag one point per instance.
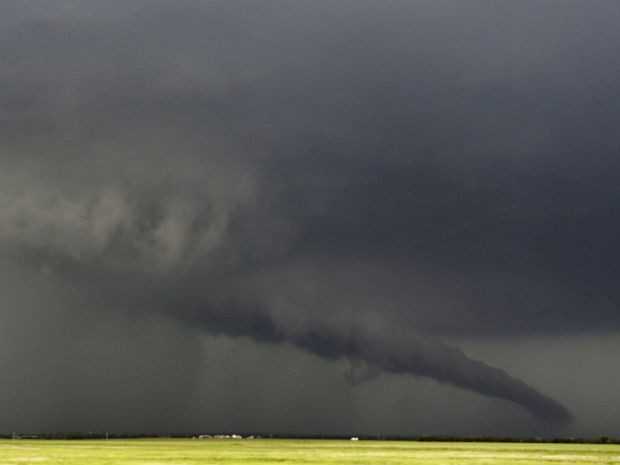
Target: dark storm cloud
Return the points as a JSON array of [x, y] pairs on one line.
[[357, 179]]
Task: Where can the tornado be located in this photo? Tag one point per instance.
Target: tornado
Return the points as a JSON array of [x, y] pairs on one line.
[[403, 352], [440, 362]]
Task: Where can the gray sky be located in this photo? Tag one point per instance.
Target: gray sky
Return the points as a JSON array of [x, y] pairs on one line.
[[310, 217]]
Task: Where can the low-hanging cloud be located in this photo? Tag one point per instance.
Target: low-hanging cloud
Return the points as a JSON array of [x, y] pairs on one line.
[[189, 242]]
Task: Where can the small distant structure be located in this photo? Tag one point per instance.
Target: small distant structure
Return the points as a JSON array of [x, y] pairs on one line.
[[355, 438], [223, 436]]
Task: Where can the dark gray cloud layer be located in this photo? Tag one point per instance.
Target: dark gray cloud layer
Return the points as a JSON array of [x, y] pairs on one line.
[[364, 181]]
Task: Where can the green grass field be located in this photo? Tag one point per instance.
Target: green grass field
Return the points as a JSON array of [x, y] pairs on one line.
[[265, 451]]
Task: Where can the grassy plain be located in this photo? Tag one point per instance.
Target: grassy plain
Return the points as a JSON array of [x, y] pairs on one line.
[[307, 452]]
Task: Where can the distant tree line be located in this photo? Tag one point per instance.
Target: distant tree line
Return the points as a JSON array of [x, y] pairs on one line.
[[104, 435]]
